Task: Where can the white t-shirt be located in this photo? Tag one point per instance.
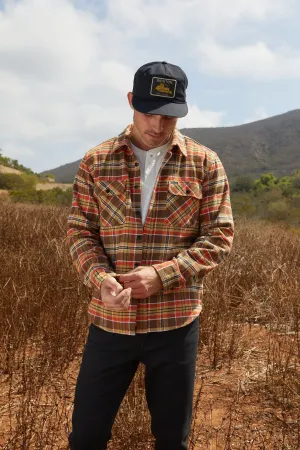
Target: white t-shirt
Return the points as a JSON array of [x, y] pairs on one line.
[[150, 162]]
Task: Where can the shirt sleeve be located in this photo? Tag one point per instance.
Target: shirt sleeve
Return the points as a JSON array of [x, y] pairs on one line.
[[83, 235], [216, 234]]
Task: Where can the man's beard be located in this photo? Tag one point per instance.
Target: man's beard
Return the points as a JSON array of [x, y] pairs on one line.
[[163, 142]]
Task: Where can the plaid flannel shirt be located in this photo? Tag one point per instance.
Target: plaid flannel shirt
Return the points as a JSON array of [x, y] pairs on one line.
[[187, 233]]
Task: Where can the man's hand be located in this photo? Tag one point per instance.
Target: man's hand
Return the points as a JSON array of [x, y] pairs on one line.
[[143, 281], [114, 296]]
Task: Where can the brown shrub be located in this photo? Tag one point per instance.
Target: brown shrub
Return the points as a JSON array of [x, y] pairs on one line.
[[44, 324]]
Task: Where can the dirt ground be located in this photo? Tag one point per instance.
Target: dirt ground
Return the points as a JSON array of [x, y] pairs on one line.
[[236, 409], [233, 407]]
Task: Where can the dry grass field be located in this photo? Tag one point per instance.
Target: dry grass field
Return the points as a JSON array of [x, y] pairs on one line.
[[4, 169], [4, 195], [248, 374], [47, 186]]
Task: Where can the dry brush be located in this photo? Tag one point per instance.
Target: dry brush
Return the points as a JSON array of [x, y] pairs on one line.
[[248, 377]]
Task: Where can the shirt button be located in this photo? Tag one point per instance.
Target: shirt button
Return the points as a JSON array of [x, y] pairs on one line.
[[187, 191], [136, 164], [139, 237], [136, 186], [138, 213], [108, 190], [136, 264]]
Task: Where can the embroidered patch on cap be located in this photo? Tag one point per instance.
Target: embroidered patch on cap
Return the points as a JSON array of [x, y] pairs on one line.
[[163, 87]]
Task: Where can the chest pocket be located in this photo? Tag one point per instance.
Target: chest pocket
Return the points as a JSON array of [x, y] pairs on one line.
[[111, 196], [183, 202]]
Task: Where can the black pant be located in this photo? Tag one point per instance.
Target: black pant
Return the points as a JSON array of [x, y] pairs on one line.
[[108, 366]]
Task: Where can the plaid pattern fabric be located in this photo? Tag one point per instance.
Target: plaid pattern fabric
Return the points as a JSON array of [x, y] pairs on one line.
[[187, 233]]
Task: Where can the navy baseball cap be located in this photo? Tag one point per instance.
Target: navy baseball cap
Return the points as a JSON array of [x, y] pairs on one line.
[[159, 88]]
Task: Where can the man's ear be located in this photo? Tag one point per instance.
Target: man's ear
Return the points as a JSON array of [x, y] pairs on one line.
[[129, 96]]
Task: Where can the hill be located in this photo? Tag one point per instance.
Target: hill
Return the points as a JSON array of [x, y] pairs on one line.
[[40, 184], [4, 169], [269, 145]]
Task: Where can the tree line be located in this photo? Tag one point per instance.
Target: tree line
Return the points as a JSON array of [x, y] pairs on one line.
[[22, 187], [268, 197], [13, 164]]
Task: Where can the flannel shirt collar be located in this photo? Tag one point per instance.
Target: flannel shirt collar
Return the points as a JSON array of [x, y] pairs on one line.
[[124, 140]]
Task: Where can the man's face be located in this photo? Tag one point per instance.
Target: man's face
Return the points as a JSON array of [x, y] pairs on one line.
[[151, 130]]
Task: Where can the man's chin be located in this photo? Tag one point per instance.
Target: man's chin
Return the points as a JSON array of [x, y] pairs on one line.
[[156, 142]]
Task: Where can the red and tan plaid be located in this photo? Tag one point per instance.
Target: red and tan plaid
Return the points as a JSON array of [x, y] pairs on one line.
[[187, 233]]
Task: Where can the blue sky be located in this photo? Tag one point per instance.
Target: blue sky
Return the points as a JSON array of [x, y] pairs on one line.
[[66, 66]]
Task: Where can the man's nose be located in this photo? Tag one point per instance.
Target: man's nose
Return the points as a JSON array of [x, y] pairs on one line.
[[157, 123]]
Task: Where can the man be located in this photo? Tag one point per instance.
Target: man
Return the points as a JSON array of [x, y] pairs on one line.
[[150, 218]]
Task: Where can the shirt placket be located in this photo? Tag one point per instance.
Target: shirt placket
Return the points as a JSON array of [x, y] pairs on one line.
[[157, 181], [135, 192], [147, 305]]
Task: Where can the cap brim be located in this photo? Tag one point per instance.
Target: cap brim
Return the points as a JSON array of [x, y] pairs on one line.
[[162, 107]]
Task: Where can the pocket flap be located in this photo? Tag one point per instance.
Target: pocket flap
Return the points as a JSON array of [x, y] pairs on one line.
[[185, 188], [110, 188]]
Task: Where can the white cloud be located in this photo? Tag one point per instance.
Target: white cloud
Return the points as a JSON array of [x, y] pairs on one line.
[[183, 20], [176, 17], [66, 65], [256, 61], [198, 118], [58, 83], [15, 152]]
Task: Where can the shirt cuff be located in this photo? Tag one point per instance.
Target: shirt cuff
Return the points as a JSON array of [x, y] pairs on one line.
[[170, 276], [99, 277]]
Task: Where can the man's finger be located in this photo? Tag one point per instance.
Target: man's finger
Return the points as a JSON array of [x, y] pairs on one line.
[[115, 283], [132, 284], [139, 290], [125, 294], [112, 284], [121, 302], [114, 291], [129, 277], [126, 303]]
